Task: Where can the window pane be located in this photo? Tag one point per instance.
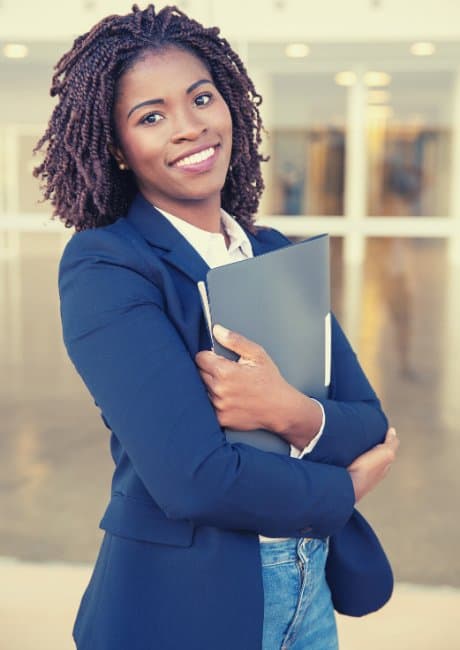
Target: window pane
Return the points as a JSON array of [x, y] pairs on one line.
[[307, 139], [409, 139], [29, 195], [309, 171]]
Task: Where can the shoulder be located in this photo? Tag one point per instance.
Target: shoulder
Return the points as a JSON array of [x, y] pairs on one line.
[[112, 244], [107, 265], [104, 272], [270, 236]]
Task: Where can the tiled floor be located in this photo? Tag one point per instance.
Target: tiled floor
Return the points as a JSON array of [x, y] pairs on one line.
[[54, 461]]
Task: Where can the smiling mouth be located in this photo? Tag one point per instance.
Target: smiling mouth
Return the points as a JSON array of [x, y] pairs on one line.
[[196, 158]]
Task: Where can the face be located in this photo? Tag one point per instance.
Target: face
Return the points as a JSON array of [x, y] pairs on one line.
[[174, 131]]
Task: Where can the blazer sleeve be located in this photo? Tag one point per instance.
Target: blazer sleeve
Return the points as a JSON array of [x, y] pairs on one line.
[[355, 421], [142, 377]]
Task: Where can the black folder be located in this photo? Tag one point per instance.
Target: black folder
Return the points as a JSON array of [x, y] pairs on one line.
[[280, 300]]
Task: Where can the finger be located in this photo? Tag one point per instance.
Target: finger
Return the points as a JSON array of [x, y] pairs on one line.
[[391, 439], [391, 434], [205, 359], [238, 343], [216, 390], [208, 379], [213, 363], [383, 453]]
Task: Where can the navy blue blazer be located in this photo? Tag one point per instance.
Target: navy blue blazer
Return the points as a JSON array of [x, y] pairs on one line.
[[179, 566]]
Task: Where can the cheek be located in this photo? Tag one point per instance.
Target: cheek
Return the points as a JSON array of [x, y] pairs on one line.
[[228, 120], [141, 150], [221, 117], [226, 125]]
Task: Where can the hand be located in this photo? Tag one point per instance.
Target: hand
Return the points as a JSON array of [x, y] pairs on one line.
[[372, 467], [251, 393], [246, 394]]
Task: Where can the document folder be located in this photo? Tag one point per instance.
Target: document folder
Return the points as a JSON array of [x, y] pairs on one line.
[[280, 300]]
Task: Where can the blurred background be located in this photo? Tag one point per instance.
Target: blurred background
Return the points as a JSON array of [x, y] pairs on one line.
[[362, 110]]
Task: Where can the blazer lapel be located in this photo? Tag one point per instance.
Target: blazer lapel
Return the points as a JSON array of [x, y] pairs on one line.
[[258, 244], [170, 245]]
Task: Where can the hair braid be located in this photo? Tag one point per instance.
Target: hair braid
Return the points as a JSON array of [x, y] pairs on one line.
[[79, 175]]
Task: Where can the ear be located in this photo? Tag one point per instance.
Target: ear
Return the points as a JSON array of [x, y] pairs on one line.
[[118, 155]]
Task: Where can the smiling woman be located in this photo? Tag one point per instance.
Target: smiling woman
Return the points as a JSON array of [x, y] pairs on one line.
[[178, 146], [151, 154], [105, 71]]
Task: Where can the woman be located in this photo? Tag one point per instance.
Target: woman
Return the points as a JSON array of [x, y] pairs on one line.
[[152, 145]]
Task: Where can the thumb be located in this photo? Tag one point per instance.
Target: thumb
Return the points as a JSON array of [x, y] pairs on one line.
[[237, 343]]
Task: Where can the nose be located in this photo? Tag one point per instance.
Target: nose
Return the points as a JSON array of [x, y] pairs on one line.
[[188, 125]]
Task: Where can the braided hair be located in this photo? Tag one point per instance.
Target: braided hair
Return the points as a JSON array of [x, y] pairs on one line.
[[79, 175]]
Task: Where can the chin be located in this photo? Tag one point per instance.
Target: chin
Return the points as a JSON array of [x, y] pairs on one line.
[[203, 193]]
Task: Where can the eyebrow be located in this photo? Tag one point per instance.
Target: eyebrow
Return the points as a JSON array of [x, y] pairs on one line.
[[151, 102]]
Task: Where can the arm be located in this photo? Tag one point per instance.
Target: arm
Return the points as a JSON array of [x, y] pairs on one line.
[[355, 421], [251, 394], [141, 375]]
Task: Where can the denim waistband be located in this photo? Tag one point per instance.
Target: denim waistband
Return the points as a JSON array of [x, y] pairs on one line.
[[288, 550]]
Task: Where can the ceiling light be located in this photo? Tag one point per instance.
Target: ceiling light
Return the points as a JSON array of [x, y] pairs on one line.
[[345, 78], [15, 51], [375, 79], [423, 49], [297, 50], [378, 96]]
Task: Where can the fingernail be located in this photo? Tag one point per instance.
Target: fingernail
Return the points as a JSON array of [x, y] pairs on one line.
[[220, 331], [392, 431]]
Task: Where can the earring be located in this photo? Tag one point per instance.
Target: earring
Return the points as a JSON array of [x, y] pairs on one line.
[[122, 167]]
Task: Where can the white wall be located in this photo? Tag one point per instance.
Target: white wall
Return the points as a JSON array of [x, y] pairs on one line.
[[25, 93], [345, 20]]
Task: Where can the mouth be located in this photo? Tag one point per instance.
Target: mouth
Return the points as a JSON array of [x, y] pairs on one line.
[[198, 161]]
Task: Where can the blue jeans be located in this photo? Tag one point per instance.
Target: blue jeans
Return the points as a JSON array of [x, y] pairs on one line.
[[298, 611]]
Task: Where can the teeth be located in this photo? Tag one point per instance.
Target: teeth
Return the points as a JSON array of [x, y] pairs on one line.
[[196, 157]]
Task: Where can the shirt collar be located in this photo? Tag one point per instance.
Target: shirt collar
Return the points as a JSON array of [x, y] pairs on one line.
[[202, 240], [238, 238]]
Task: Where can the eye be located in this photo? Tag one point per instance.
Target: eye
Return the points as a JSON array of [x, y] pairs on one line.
[[151, 118], [203, 99]]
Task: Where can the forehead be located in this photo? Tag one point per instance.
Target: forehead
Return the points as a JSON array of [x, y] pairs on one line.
[[161, 74]]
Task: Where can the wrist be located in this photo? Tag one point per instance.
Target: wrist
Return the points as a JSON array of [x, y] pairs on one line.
[[298, 418], [356, 485]]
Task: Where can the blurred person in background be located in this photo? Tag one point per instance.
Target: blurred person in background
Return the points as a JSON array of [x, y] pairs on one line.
[[152, 155], [392, 258]]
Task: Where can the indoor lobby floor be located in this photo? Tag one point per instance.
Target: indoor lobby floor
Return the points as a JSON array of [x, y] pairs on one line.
[[55, 466]]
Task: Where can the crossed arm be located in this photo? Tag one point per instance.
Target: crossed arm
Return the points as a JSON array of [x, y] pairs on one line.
[[251, 394]]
